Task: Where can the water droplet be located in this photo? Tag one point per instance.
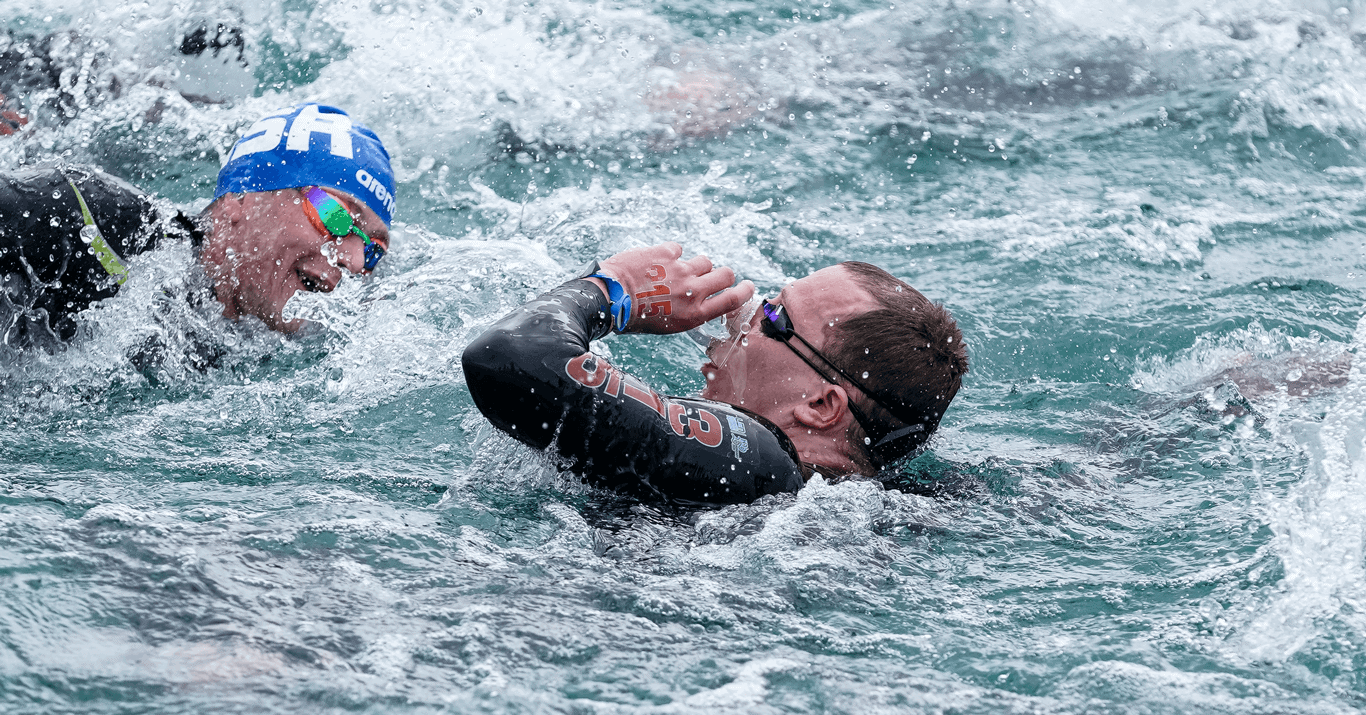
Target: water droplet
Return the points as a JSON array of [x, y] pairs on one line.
[[865, 374], [675, 58], [865, 351], [1293, 376], [56, 194], [744, 342], [688, 292], [867, 441], [53, 222]]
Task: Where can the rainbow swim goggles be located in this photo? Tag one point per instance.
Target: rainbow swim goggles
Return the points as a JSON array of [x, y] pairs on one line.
[[329, 215]]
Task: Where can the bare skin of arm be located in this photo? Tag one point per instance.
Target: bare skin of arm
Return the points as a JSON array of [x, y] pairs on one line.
[[1297, 374]]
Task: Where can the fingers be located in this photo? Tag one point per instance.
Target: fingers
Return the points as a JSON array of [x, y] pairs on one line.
[[700, 265], [728, 300], [715, 281], [674, 250]]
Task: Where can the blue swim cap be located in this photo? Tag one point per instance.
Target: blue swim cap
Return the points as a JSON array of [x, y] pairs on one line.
[[311, 145]]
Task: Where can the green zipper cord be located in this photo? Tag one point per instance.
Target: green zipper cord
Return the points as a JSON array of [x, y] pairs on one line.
[[91, 234]]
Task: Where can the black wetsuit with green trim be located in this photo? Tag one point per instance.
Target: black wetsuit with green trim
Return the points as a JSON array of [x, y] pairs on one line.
[[532, 376], [49, 270]]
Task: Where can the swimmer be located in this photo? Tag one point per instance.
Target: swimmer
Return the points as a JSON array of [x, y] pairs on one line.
[[843, 372], [304, 194], [699, 104], [65, 72]]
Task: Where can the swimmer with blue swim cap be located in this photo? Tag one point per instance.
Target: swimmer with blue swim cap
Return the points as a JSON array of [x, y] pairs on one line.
[[305, 193]]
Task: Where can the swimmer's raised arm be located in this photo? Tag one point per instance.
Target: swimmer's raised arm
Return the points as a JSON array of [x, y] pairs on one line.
[[533, 376]]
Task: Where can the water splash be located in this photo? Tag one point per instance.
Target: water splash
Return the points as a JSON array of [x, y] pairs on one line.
[[1319, 530]]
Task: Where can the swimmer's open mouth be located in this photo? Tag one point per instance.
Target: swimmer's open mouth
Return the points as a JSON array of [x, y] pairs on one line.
[[310, 284]]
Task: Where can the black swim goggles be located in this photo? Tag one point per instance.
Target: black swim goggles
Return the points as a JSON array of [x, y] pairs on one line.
[[776, 323]]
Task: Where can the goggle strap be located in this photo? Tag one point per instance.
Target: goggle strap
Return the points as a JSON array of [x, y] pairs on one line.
[[859, 416], [898, 434], [837, 369]]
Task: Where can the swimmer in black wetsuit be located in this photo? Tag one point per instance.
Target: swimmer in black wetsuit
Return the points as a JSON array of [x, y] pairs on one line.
[[843, 372], [304, 194], [47, 272]]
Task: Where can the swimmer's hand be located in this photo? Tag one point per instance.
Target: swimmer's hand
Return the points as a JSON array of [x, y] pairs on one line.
[[669, 294]]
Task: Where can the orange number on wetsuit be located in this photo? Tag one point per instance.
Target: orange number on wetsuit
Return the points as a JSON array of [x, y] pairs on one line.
[[676, 412], [588, 370], [707, 430]]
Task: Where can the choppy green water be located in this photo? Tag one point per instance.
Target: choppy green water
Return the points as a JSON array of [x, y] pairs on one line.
[[1118, 204]]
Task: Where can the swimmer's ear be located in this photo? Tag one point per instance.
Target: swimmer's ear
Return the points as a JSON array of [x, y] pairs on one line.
[[823, 409]]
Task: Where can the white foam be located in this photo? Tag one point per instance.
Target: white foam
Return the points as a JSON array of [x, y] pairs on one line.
[[1319, 530]]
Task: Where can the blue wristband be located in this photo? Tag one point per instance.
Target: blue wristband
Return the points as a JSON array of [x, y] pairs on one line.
[[618, 300]]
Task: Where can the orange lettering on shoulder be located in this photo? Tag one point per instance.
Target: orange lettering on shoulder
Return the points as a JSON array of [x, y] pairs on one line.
[[637, 391], [676, 412], [588, 370], [707, 430]]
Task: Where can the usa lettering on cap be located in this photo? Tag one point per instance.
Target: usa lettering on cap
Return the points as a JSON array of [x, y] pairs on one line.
[[266, 133]]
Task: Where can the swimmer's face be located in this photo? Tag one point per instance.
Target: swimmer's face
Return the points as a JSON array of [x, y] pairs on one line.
[[765, 376], [264, 249]]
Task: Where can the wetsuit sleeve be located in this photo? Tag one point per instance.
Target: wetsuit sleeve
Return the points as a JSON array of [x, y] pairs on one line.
[[47, 273], [532, 376]]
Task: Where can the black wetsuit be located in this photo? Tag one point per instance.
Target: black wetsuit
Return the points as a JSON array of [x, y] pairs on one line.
[[47, 272], [532, 375]]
